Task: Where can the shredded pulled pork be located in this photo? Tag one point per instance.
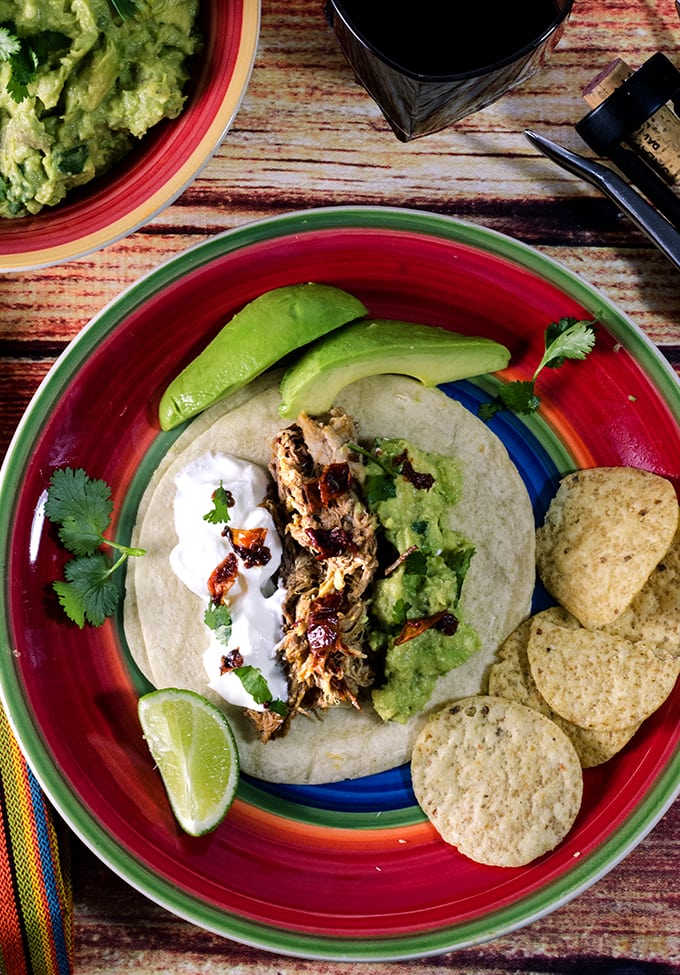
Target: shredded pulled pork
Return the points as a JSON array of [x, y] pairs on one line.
[[268, 724], [329, 561]]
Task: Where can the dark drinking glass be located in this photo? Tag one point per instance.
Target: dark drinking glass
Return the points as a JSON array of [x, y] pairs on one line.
[[436, 62]]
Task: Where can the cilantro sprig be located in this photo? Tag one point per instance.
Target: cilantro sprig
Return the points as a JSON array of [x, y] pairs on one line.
[[256, 685], [26, 55], [82, 508], [568, 338], [222, 501], [29, 53], [379, 485], [217, 618]]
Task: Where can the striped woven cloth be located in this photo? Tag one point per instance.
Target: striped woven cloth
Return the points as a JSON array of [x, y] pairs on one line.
[[35, 893]]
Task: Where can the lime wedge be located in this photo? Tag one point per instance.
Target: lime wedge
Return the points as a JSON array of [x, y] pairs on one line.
[[196, 754]]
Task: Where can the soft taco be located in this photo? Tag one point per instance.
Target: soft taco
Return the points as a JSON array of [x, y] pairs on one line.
[[164, 620]]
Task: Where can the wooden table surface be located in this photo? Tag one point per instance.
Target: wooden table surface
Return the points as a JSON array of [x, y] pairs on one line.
[[307, 135]]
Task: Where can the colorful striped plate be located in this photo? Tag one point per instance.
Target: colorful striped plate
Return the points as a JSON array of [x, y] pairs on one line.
[[350, 871]]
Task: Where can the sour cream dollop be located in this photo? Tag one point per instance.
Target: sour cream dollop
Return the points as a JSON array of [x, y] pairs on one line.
[[255, 600]]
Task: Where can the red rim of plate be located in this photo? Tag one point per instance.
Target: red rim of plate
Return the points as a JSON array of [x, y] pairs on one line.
[[166, 161], [366, 886]]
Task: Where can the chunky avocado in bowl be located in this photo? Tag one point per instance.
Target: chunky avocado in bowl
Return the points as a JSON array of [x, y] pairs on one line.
[[80, 84]]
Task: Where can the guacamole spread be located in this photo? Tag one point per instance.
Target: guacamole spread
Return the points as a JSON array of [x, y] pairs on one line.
[[416, 622], [79, 85]]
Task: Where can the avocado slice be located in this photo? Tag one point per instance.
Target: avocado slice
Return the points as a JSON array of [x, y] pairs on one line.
[[374, 347], [264, 331]]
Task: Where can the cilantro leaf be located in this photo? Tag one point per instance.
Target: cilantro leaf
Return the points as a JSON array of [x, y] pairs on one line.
[[379, 487], [82, 508], [72, 161], [217, 617], [400, 612], [415, 563], [255, 684], [568, 338], [90, 593], [46, 45], [26, 54], [519, 396], [125, 8], [458, 561], [222, 501], [24, 66], [9, 44]]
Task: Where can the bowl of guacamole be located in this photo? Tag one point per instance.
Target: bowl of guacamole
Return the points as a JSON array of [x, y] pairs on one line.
[[108, 109]]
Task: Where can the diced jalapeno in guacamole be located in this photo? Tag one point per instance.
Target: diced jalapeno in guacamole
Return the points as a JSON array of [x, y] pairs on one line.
[[79, 85], [416, 624]]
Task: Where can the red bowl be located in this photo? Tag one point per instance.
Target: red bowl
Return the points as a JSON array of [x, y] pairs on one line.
[[166, 161]]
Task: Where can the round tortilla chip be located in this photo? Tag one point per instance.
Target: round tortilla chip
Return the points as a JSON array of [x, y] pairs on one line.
[[500, 781], [654, 614], [511, 677], [604, 532], [164, 620], [595, 679]]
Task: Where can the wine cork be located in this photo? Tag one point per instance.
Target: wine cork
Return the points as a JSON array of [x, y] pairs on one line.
[[657, 139]]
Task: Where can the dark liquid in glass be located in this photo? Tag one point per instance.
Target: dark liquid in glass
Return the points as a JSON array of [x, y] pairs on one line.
[[450, 36]]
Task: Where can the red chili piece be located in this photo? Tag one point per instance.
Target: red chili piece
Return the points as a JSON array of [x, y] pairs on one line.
[[223, 577], [443, 621], [323, 623], [448, 624], [248, 543], [231, 661], [329, 542], [420, 481], [334, 481]]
